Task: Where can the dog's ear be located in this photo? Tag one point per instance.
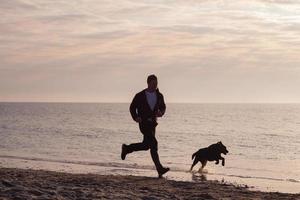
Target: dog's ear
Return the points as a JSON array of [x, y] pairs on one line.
[[220, 142]]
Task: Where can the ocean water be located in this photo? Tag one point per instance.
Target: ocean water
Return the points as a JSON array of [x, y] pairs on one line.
[[263, 141]]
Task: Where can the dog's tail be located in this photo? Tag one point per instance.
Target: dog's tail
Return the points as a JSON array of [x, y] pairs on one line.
[[194, 155]]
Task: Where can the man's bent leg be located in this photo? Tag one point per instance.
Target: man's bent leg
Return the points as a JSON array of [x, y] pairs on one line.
[[126, 149], [142, 146]]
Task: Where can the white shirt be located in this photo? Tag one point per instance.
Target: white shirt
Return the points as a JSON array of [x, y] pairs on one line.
[[151, 99]]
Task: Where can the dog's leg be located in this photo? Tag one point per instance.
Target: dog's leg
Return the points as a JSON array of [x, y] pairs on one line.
[[194, 163], [217, 162], [203, 165], [223, 161]]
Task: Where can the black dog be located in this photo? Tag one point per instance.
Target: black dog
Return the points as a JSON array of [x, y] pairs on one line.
[[211, 153]]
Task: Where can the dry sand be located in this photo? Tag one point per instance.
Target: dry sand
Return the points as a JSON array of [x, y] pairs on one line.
[[39, 184]]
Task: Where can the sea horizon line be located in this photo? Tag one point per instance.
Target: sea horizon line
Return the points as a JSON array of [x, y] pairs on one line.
[[124, 102]]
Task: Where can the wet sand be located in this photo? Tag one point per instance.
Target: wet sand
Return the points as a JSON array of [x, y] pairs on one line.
[[39, 184]]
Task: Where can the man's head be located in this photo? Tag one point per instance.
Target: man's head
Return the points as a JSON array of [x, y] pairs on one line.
[[152, 82]]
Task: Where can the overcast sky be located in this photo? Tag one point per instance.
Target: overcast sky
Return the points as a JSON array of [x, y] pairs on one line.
[[103, 50]]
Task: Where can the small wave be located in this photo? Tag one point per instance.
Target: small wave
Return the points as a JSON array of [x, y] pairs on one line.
[[106, 164], [293, 180], [257, 177], [246, 146], [4, 126], [260, 127], [272, 135], [87, 135]]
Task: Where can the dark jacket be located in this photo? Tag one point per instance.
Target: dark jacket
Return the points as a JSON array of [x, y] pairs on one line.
[[139, 106]]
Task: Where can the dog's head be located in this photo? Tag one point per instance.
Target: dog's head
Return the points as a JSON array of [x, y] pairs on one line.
[[222, 148]]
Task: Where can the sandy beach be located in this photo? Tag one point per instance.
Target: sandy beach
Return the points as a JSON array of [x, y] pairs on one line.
[[40, 184]]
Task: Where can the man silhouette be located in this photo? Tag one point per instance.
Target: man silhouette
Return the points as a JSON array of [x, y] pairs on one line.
[[145, 107]]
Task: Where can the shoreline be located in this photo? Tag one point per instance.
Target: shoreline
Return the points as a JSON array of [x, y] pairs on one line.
[[256, 184], [41, 184]]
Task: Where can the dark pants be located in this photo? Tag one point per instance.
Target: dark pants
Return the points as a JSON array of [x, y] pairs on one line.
[[149, 142]]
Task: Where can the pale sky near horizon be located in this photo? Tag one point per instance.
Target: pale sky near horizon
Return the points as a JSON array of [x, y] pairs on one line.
[[103, 50]]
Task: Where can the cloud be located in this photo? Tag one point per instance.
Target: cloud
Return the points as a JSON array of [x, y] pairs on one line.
[[16, 5], [197, 42], [280, 1]]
